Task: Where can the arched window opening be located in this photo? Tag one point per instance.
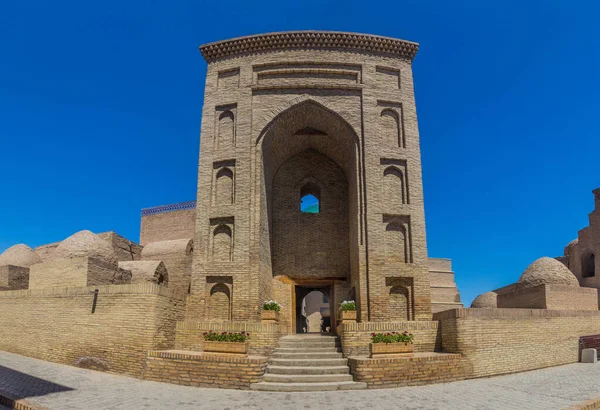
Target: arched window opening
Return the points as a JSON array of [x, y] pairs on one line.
[[589, 266], [310, 199], [161, 279]]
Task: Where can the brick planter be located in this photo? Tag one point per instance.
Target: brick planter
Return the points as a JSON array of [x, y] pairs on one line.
[[347, 315], [226, 348], [270, 316], [391, 349]]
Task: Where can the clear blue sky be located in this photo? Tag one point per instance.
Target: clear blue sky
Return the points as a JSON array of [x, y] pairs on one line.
[[100, 106]]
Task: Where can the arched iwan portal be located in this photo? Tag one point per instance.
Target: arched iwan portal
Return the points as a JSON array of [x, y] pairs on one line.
[[310, 149]]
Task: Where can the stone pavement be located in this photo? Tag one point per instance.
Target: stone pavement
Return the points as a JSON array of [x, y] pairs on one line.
[[59, 387]]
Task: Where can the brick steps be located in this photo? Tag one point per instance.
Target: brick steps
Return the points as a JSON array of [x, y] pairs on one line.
[[307, 378], [304, 387], [306, 355], [307, 350], [308, 363], [301, 370]]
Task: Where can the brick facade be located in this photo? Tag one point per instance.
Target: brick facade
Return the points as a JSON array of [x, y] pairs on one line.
[[264, 114]]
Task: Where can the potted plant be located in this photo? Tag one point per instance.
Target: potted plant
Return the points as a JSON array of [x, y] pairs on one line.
[[347, 311], [391, 344], [270, 312], [226, 343]]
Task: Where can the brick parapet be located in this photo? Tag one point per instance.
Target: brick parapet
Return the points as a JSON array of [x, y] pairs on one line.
[[355, 337], [512, 313], [201, 370], [263, 337], [112, 334], [138, 288], [423, 368], [500, 341]]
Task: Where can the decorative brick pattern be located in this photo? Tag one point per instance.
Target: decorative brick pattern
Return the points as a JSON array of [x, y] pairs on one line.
[[309, 39]]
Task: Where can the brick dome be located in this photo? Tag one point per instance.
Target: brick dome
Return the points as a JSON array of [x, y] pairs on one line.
[[547, 271], [570, 246], [19, 255], [485, 300], [85, 243]]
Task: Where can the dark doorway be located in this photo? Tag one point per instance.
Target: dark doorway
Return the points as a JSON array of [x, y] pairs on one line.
[[313, 309]]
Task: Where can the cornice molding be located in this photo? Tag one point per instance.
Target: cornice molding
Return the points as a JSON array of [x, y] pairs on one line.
[[298, 40], [169, 208]]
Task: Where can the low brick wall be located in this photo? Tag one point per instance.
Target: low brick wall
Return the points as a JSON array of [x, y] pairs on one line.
[[500, 341], [57, 324], [201, 370], [355, 337], [423, 368], [263, 337]]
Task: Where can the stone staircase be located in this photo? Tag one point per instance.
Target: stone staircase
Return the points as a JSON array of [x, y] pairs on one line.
[[308, 363]]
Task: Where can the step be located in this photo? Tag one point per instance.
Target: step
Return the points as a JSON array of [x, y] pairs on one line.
[[316, 343], [307, 350], [308, 337], [306, 378], [307, 355], [299, 370], [309, 362], [325, 386]]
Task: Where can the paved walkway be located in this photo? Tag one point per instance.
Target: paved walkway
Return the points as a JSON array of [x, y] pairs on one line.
[[60, 387]]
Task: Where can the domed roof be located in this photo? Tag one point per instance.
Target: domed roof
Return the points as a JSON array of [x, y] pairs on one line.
[[547, 271], [154, 250], [485, 300], [85, 243], [571, 245], [19, 255]]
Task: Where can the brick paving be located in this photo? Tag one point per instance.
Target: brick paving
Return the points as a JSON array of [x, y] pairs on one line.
[[57, 386]]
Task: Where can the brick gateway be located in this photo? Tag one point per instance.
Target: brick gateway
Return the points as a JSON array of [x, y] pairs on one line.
[[327, 116]]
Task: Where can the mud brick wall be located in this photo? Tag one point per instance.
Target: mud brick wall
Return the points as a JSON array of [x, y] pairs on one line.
[[355, 337], [409, 371], [13, 277], [499, 341], [263, 337], [167, 226], [199, 370], [57, 324]]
